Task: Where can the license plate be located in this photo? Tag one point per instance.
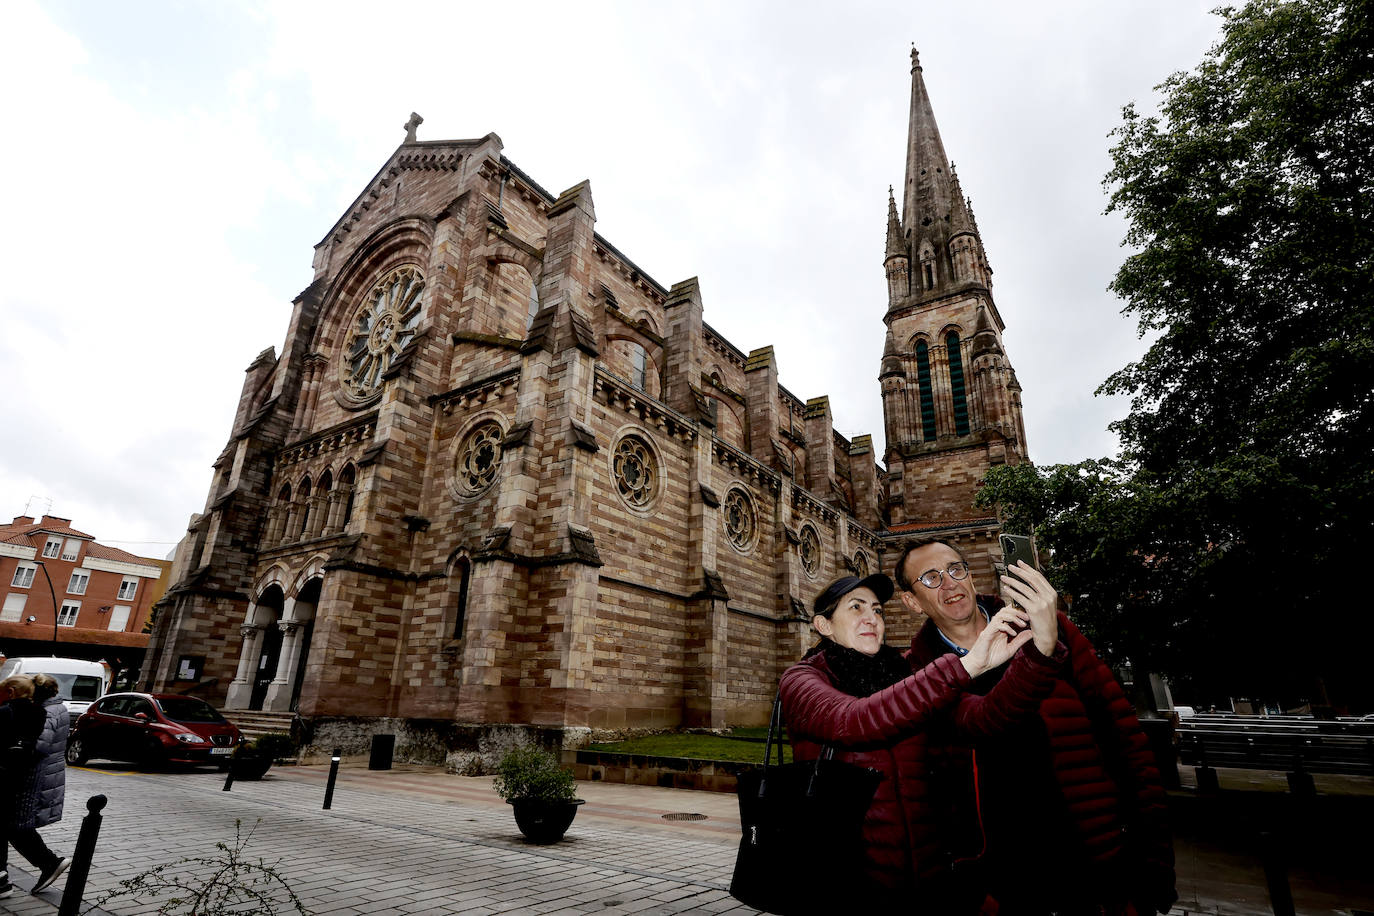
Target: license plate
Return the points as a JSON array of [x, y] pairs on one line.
[[221, 750]]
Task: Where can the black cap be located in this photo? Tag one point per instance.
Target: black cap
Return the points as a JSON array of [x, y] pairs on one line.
[[828, 599]]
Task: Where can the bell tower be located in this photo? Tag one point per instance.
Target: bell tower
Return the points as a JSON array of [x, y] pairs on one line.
[[951, 402]]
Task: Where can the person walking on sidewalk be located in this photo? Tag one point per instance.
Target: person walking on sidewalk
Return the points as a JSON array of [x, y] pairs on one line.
[[21, 721], [40, 804], [1073, 791]]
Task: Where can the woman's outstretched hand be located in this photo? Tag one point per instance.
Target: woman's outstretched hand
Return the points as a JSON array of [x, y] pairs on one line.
[[1005, 633], [1026, 588]]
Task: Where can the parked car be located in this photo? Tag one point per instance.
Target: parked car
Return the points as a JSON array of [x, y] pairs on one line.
[[152, 728]]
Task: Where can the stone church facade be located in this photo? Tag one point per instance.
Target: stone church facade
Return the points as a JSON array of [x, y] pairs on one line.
[[499, 474]]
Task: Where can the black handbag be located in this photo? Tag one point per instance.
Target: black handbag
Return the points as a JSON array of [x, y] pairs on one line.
[[792, 814]]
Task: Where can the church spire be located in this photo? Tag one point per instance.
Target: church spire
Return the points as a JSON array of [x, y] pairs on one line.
[[896, 244], [927, 194]]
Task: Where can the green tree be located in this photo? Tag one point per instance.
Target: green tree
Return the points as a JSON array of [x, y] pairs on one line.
[[1227, 542]]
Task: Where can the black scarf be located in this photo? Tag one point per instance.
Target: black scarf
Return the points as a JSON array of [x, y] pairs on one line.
[[861, 675]]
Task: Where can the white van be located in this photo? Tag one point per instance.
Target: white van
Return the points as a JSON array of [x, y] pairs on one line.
[[80, 683]]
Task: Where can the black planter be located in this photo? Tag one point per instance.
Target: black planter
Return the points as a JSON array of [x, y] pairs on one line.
[[251, 767], [544, 821]]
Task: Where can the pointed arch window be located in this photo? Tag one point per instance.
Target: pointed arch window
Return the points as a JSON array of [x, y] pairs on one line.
[[927, 393], [956, 383], [458, 594], [347, 478], [640, 374], [304, 497], [532, 306]]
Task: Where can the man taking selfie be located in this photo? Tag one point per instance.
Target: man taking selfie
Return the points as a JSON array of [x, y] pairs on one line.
[[1072, 793]]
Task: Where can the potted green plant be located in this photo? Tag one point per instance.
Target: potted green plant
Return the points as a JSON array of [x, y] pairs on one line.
[[540, 790], [254, 757]]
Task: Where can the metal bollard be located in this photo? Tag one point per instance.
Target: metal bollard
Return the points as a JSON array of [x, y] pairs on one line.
[[1276, 875], [333, 775], [228, 777], [1206, 776], [81, 858]]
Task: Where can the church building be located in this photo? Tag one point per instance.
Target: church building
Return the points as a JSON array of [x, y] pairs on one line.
[[499, 474]]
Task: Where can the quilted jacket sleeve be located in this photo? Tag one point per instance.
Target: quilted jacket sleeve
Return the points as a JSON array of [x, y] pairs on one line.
[[1029, 678], [818, 711], [56, 724], [1137, 772]]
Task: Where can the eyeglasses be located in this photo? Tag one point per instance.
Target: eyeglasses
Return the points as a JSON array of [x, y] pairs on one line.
[[934, 578]]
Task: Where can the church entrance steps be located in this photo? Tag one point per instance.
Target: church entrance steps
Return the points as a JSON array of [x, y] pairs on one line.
[[255, 723]]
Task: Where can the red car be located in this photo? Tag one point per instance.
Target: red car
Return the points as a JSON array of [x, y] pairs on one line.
[[152, 728]]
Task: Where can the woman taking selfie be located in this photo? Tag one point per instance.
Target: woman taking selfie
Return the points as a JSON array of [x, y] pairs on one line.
[[860, 697]]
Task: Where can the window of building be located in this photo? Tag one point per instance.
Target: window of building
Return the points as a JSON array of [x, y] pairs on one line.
[[385, 322], [52, 548], [72, 550], [80, 579], [635, 469], [810, 550], [67, 616], [127, 588], [956, 384], [741, 525], [533, 306], [458, 594], [23, 575], [479, 459], [927, 393], [640, 376], [14, 608], [119, 617]]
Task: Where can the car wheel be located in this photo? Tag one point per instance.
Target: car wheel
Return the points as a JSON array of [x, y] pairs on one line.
[[76, 751], [153, 756]]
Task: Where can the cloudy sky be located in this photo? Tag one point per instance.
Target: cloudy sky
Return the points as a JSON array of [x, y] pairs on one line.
[[170, 166]]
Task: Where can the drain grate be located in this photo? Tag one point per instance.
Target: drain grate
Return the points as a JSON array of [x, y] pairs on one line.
[[681, 816]]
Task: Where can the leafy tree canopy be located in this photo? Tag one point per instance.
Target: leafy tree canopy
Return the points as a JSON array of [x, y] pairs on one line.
[[1225, 542]]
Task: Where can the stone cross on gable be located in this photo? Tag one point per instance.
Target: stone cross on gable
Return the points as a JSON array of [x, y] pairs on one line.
[[414, 122]]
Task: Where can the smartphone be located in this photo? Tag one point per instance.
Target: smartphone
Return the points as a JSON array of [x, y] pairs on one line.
[[1018, 547]]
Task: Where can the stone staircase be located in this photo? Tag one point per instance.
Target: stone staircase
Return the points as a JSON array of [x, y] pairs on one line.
[[256, 723]]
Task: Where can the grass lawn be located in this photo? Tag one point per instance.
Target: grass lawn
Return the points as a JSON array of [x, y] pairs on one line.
[[700, 747]]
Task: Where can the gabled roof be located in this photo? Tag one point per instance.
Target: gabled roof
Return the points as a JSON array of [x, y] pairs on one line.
[[101, 552], [23, 530], [51, 524]]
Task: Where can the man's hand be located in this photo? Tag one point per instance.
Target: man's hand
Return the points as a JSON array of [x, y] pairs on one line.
[[1026, 588], [1004, 634]]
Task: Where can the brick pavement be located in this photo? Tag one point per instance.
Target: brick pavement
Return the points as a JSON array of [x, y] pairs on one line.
[[418, 841]]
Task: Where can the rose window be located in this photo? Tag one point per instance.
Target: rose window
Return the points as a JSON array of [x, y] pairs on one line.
[[860, 564], [636, 475], [810, 551], [384, 325], [739, 519], [479, 459]]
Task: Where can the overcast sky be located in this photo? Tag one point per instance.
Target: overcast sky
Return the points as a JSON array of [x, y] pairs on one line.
[[170, 167]]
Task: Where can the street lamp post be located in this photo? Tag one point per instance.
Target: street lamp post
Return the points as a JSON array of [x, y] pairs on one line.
[[53, 594]]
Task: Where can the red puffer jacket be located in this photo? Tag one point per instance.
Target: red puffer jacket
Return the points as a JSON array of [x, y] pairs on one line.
[[885, 732], [1100, 759]]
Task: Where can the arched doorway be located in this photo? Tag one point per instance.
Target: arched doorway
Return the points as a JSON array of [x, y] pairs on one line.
[[305, 603], [269, 610]]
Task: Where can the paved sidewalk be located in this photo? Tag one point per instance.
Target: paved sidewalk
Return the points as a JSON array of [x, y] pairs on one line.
[[418, 841]]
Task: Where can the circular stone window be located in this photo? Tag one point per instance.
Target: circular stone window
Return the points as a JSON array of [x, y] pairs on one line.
[[861, 564], [479, 458], [810, 549], [636, 472], [740, 521], [380, 330]]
